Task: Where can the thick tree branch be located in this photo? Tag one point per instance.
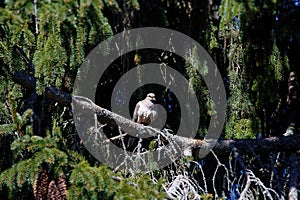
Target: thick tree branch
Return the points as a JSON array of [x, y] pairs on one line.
[[246, 146], [51, 92]]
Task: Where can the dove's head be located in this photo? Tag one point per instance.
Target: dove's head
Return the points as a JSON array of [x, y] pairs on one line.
[[151, 97]]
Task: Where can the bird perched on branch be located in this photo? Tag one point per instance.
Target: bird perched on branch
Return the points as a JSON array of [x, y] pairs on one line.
[[145, 111]]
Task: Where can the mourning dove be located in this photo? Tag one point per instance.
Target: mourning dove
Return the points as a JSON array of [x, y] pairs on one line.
[[145, 111]]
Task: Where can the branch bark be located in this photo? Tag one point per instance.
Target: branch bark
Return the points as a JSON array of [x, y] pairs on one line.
[[245, 146], [50, 92], [223, 147]]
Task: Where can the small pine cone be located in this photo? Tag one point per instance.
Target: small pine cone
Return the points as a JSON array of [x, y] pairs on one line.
[[40, 186], [62, 187], [53, 192], [57, 190]]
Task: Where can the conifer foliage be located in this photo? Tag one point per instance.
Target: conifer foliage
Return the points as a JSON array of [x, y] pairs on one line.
[[48, 40], [254, 44]]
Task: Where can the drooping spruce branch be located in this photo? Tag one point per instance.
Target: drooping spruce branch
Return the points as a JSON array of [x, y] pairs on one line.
[[51, 92], [245, 146]]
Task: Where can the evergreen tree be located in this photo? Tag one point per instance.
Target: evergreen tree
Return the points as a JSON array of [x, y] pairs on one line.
[[255, 45]]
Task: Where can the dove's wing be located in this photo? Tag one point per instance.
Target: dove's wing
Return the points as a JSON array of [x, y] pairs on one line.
[[135, 112]]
